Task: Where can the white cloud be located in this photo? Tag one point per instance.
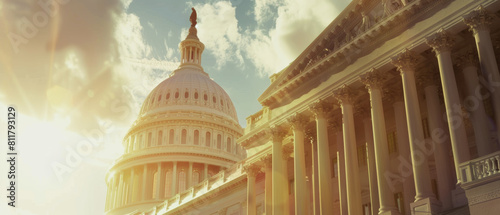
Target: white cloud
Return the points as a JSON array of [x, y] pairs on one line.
[[218, 30]]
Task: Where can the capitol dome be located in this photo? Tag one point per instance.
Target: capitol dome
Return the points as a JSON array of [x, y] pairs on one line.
[[189, 88], [186, 132]]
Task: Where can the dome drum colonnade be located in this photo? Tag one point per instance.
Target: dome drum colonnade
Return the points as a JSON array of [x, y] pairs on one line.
[[185, 133], [407, 108]]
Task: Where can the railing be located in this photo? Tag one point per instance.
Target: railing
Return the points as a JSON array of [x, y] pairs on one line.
[[480, 168]]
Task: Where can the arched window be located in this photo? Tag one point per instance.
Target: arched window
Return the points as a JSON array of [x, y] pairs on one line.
[[150, 136], [182, 181], [214, 99], [219, 141], [207, 139], [196, 137], [168, 184], [171, 137], [155, 184], [186, 95], [159, 97], [228, 144], [205, 97], [168, 95], [196, 95], [221, 102], [196, 177], [160, 137], [183, 136], [176, 95]]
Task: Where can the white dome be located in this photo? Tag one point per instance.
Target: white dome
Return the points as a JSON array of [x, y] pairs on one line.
[[189, 88]]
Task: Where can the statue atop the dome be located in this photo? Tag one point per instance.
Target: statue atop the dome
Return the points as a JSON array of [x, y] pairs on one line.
[[192, 19]]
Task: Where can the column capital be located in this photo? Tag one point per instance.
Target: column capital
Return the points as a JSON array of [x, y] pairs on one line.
[[267, 160], [428, 77], [469, 58], [277, 133], [320, 108], [311, 134], [479, 19], [406, 60], [298, 121], [335, 124], [441, 41], [344, 94], [287, 152], [372, 79], [252, 170]]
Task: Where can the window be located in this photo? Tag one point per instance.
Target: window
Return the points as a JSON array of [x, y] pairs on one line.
[[196, 95], [398, 197], [219, 141], [155, 184], [362, 155], [182, 181], [176, 94], [183, 136], [214, 99], [205, 97], [367, 209], [228, 144], [150, 136], [392, 142], [159, 98], [425, 124], [196, 137], [171, 137], [207, 139], [196, 177], [186, 95], [335, 168], [221, 102], [168, 183], [160, 137], [168, 95]]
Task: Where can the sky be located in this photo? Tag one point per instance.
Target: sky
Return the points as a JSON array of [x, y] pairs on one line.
[[77, 72]]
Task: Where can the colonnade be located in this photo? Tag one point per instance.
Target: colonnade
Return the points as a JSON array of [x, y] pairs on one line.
[[414, 147], [154, 182]]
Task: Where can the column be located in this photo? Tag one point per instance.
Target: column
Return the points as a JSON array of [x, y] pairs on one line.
[[174, 179], [158, 182], [108, 195], [479, 21], [345, 97], [311, 135], [320, 110], [441, 44], [468, 64], [287, 152], [372, 169], [373, 81], [120, 191], [205, 171], [277, 134], [144, 182], [268, 195], [337, 128], [298, 121], [424, 199], [113, 199], [190, 175], [403, 148], [131, 186], [440, 142], [252, 172]]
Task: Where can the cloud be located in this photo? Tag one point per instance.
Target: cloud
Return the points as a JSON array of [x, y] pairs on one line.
[[274, 42], [218, 30], [81, 59]]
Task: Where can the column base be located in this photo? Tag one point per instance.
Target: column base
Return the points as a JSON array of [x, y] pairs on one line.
[[390, 212], [458, 197], [425, 206]]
